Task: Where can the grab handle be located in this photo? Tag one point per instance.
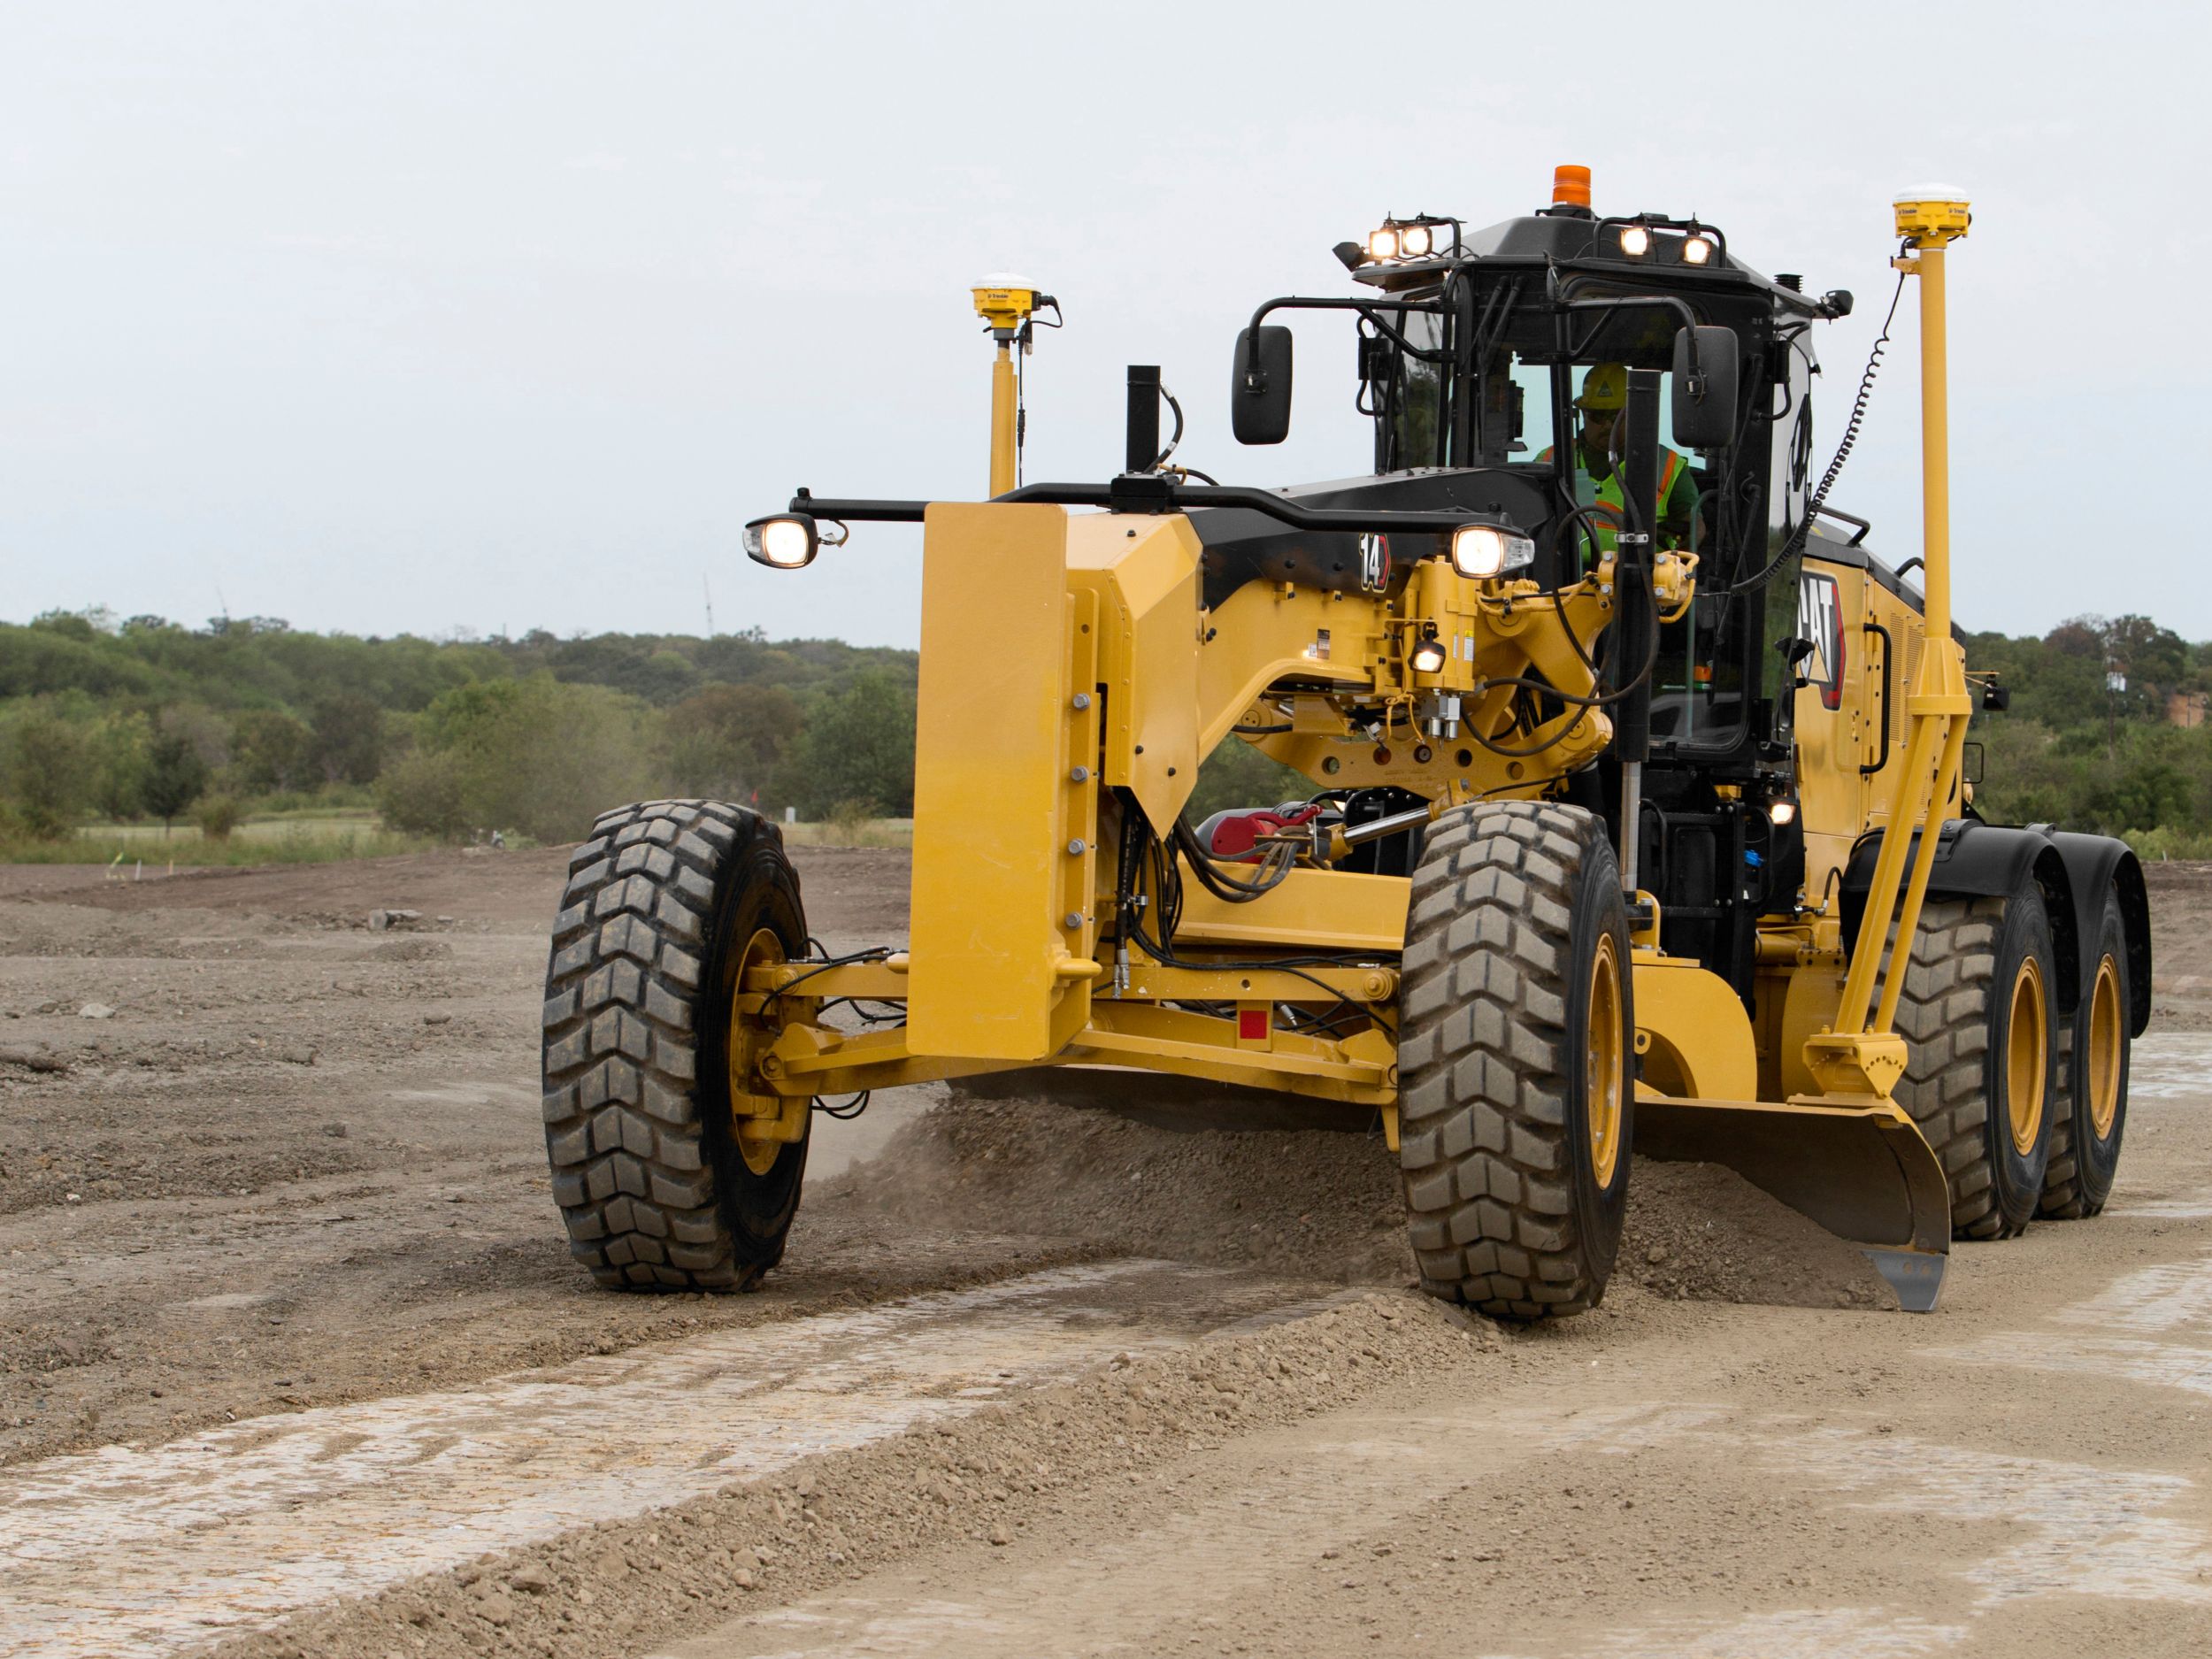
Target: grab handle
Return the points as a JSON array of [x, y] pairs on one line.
[[1865, 770]]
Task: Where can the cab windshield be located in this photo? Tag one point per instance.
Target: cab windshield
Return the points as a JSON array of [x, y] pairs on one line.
[[1503, 379]]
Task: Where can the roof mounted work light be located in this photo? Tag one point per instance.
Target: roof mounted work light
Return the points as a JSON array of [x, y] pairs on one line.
[[1417, 238]]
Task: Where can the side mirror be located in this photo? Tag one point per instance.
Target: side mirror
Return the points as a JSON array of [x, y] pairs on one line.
[[1705, 395], [1259, 394]]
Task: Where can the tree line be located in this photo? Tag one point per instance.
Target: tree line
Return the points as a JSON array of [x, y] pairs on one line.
[[143, 719]]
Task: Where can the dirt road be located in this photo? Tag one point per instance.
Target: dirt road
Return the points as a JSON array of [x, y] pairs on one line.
[[293, 1361]]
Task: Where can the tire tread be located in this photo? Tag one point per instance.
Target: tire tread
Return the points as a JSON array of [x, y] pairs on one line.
[[622, 1123], [1482, 1054]]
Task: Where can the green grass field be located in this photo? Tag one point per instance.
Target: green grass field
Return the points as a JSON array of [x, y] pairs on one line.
[[313, 835], [875, 832]]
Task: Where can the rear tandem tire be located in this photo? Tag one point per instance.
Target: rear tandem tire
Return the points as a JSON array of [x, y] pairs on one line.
[[2095, 1049], [1515, 1059], [663, 902], [1981, 975]]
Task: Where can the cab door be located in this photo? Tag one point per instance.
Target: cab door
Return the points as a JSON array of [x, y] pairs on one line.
[[1837, 717]]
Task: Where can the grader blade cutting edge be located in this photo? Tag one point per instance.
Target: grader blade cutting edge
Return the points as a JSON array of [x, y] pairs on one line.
[[1864, 1173]]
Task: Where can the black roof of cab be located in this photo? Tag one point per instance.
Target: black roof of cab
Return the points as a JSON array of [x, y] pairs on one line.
[[1588, 245]]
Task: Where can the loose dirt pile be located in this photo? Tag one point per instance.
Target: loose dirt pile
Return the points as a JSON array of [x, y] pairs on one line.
[[1319, 1203], [1311, 1203], [1699, 1233]]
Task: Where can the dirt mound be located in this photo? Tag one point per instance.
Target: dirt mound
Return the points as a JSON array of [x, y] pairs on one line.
[[1325, 1204], [1314, 1203], [1702, 1234]]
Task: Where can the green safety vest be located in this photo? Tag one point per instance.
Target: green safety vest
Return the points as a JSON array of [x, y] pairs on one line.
[[1604, 495]]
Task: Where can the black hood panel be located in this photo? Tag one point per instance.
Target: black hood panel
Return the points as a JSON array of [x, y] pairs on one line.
[[1243, 545]]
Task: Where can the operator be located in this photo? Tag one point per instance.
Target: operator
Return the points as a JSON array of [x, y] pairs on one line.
[[1603, 401]]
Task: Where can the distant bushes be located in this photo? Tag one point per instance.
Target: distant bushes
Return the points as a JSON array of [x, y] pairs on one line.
[[422, 794], [217, 816], [733, 743], [856, 755], [531, 755], [121, 721], [48, 771]]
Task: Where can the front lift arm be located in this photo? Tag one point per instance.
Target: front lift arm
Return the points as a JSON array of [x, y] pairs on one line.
[[1071, 673]]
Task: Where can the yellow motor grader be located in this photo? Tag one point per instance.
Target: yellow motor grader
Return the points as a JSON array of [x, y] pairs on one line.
[[1638, 819]]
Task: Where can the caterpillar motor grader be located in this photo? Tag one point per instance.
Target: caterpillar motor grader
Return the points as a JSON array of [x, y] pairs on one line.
[[1637, 820]]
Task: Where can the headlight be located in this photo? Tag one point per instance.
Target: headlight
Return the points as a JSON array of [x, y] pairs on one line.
[[1635, 240], [1696, 250], [1483, 550], [1416, 241], [1427, 655], [1383, 244], [1782, 813], [787, 542]]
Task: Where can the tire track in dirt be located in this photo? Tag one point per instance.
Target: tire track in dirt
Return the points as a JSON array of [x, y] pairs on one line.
[[135, 1553], [1329, 1488]]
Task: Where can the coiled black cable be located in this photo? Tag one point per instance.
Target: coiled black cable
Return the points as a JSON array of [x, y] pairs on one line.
[[1604, 699]]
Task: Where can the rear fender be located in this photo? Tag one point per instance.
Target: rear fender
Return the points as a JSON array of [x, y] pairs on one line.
[[1974, 860], [2098, 865]]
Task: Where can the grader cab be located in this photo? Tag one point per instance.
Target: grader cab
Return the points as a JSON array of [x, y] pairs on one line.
[[1637, 820]]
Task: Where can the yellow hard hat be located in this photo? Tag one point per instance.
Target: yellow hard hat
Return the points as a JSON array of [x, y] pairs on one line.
[[1606, 387]]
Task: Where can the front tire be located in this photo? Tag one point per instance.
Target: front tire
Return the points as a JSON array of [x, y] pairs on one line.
[[1515, 1059], [663, 1179], [2095, 1047], [1977, 1012]]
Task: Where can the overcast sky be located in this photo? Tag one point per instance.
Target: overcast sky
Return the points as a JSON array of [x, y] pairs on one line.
[[423, 318]]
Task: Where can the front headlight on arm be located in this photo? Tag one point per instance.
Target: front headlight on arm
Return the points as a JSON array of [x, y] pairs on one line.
[[786, 542], [1484, 549]]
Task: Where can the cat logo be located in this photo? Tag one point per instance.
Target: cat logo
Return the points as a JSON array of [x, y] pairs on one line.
[[1374, 562], [1820, 619]]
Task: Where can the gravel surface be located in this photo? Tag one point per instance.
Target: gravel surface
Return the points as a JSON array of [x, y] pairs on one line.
[[258, 1160]]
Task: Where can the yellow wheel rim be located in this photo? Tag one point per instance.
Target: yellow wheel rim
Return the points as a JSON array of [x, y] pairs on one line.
[[2103, 1058], [2027, 1046], [753, 1112], [1606, 1071]]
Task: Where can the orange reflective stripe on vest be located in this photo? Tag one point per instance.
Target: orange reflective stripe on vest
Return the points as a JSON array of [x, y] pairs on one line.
[[1608, 513]]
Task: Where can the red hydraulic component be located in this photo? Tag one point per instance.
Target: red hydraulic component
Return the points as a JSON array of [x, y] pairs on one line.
[[1235, 836]]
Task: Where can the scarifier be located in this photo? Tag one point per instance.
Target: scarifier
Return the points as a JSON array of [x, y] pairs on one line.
[[1640, 818]]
